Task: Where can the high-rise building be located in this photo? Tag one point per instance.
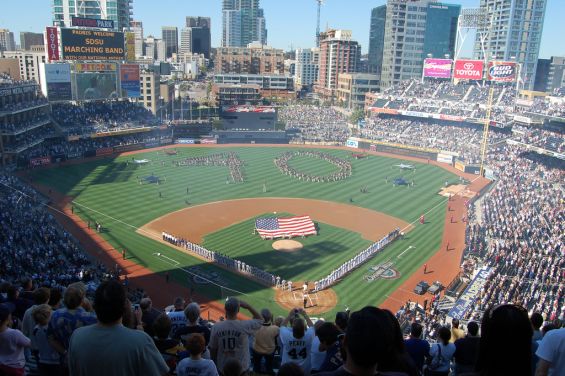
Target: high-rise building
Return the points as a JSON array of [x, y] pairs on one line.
[[338, 54], [28, 39], [137, 28], [195, 37], [414, 30], [550, 74], [513, 33], [243, 22], [120, 11], [7, 42], [377, 39], [170, 36], [255, 59], [160, 50], [307, 66]]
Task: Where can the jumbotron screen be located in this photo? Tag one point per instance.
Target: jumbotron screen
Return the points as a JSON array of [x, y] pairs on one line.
[[83, 44]]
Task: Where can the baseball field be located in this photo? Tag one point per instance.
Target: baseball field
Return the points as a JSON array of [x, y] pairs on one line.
[[134, 202]]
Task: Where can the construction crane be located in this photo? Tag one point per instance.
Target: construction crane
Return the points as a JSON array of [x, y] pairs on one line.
[[320, 2], [484, 145]]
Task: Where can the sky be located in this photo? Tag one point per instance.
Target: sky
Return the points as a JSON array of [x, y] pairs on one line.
[[290, 23]]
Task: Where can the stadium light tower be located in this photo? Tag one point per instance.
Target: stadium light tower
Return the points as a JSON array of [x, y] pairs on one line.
[[320, 2], [472, 19]]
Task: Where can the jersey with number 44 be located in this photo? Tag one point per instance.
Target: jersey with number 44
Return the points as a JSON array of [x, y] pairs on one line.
[[296, 350]]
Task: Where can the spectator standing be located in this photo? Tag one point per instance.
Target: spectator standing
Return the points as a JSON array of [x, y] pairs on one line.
[[12, 344], [108, 348], [193, 326], [317, 357], [48, 359], [148, 315], [417, 348], [551, 354], [296, 343], [330, 342], [171, 349], [441, 354], [456, 332], [195, 365], [265, 343], [537, 321], [467, 349], [177, 316], [230, 338]]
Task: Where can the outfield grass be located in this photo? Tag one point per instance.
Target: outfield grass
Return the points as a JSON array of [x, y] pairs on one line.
[[107, 191]]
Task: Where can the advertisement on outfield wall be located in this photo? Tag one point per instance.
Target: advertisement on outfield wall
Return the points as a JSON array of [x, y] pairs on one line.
[[104, 151], [39, 161], [84, 44], [208, 141], [52, 43], [437, 68], [58, 81], [501, 71], [468, 69], [445, 158], [189, 141], [95, 85], [352, 144], [129, 80]]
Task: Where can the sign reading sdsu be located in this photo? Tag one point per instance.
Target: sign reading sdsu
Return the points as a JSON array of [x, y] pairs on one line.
[[501, 71], [83, 44], [468, 69]]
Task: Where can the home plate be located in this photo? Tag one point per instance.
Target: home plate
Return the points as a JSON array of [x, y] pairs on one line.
[[287, 245]]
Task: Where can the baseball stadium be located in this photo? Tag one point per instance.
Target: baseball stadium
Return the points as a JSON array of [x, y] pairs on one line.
[[255, 223]]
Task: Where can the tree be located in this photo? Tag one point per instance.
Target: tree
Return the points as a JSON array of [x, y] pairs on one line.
[[356, 116]]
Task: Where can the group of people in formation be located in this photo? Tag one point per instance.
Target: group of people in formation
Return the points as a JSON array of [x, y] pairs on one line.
[[355, 262], [230, 160], [343, 172]]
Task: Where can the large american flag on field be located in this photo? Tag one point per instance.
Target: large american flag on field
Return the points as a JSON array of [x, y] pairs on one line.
[[272, 227]]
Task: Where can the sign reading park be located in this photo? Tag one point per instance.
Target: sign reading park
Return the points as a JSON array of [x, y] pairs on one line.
[[81, 44], [92, 22]]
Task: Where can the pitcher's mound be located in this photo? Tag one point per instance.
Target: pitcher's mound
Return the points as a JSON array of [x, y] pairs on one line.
[[287, 245]]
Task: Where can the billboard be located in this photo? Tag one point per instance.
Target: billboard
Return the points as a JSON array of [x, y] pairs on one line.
[[437, 68], [130, 46], [92, 22], [52, 43], [129, 80], [83, 44], [96, 85], [58, 82], [468, 69], [501, 71]]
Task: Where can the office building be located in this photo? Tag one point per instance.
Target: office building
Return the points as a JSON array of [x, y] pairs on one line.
[[137, 28], [352, 87], [514, 33], [170, 35], [28, 39], [550, 74], [196, 36], [29, 62], [243, 22], [119, 11], [150, 90], [414, 30], [377, 39], [255, 59], [7, 42], [338, 54], [307, 66]]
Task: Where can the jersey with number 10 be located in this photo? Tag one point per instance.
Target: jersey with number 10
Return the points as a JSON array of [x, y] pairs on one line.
[[296, 350]]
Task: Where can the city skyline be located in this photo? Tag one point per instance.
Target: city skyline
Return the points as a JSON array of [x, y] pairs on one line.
[[290, 23]]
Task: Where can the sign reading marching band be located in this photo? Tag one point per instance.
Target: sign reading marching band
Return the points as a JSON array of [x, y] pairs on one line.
[[501, 71], [84, 44], [468, 70]]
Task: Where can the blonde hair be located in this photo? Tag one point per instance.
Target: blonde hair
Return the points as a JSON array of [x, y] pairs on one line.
[[41, 314]]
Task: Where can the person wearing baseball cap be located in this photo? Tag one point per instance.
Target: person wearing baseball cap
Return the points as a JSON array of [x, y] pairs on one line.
[[12, 344]]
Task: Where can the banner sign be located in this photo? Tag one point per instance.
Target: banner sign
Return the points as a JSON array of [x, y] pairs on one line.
[[352, 144], [415, 114], [95, 67], [74, 155], [437, 68], [92, 22], [104, 151], [129, 78], [460, 165], [40, 161], [468, 298], [522, 119], [445, 158], [450, 117], [184, 141], [130, 147], [208, 141], [501, 71], [382, 110], [130, 46], [58, 81], [83, 44], [166, 140], [468, 69], [17, 90], [52, 43]]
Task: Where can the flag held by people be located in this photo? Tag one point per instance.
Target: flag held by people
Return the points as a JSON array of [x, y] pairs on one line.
[[273, 227]]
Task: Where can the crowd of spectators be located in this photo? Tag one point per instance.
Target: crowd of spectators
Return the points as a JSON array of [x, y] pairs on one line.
[[539, 137], [543, 106], [106, 116], [315, 124]]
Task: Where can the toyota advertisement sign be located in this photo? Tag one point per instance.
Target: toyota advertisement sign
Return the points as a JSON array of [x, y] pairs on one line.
[[501, 71], [468, 70], [437, 68]]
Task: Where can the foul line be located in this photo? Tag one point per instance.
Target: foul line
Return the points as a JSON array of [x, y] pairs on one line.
[[403, 252]]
